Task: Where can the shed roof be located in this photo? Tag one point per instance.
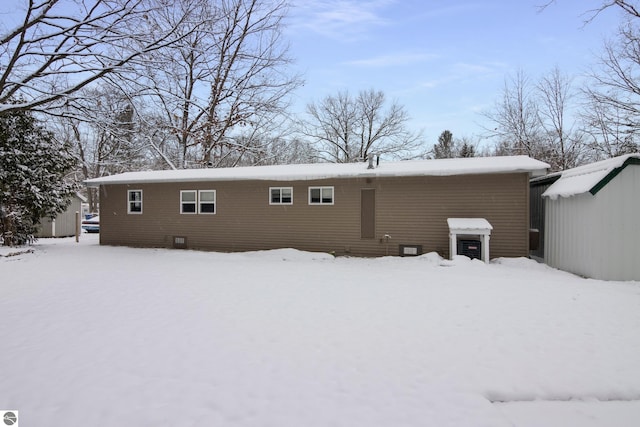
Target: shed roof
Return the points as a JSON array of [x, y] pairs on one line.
[[589, 178], [469, 224], [441, 167]]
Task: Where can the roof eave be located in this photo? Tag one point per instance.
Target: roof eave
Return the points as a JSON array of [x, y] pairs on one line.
[[97, 182]]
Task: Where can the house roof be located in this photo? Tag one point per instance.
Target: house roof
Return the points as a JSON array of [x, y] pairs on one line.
[[589, 178], [442, 167]]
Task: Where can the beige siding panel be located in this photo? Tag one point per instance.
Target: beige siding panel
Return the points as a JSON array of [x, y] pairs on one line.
[[410, 210], [501, 199]]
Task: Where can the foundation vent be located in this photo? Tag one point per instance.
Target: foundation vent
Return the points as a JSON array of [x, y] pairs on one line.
[[410, 250], [179, 242]]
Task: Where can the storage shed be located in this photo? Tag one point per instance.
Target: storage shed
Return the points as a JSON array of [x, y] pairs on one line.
[[592, 220], [64, 224]]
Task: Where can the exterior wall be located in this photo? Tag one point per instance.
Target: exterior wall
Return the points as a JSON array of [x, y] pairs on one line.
[[413, 211], [65, 222], [597, 235]]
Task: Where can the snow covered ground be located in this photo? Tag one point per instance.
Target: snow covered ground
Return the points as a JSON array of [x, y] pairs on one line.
[[110, 336]]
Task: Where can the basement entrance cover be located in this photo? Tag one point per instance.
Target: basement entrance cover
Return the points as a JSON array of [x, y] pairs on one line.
[[472, 229]]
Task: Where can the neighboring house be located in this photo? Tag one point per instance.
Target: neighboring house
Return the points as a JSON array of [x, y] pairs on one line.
[[593, 220], [355, 208], [64, 224]]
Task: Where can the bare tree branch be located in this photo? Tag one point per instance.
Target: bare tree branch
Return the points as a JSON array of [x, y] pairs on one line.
[[629, 7], [62, 46]]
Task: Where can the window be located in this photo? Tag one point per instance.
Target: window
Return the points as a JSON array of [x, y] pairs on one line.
[[134, 201], [281, 195], [320, 195], [207, 201], [198, 202], [188, 201]]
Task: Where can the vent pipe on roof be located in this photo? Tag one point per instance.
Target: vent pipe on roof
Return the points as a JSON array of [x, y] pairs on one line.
[[371, 166]]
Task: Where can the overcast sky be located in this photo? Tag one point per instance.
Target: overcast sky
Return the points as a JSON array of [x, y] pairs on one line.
[[444, 60]]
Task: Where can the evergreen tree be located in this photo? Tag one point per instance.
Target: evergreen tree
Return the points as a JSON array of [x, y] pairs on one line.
[[32, 170], [445, 148], [467, 150]]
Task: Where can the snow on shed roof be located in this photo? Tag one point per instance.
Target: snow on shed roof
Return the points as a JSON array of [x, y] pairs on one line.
[[469, 224], [588, 178], [442, 167]]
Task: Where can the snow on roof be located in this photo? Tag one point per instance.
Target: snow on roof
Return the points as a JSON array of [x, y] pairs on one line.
[[469, 224], [585, 178], [545, 179], [442, 167]]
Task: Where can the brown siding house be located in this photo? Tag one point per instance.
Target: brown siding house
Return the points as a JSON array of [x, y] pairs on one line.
[[343, 209]]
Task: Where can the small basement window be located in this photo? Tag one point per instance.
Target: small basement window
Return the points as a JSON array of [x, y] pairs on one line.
[[134, 201], [280, 195], [187, 201], [320, 195]]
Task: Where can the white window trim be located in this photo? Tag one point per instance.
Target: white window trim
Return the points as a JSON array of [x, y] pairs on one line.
[[215, 202], [129, 201], [333, 195], [280, 188], [195, 210]]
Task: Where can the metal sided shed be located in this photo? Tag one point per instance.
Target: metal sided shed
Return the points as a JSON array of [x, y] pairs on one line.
[[592, 220]]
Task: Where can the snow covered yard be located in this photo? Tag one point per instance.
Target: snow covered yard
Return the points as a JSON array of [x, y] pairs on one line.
[[106, 336]]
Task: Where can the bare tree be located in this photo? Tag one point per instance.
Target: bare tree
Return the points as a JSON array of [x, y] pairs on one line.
[[227, 75], [616, 85], [612, 112], [107, 139], [607, 137], [332, 128], [62, 46], [515, 118], [346, 129], [564, 144]]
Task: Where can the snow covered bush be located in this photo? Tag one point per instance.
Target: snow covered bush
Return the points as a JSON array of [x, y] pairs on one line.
[[33, 165]]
